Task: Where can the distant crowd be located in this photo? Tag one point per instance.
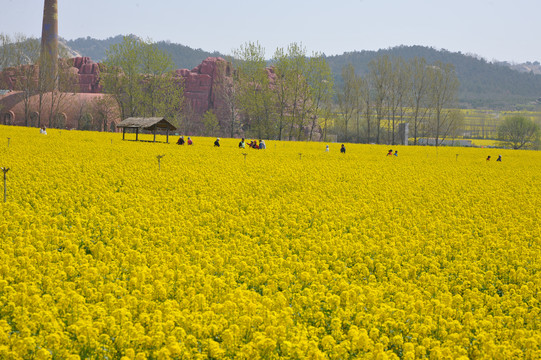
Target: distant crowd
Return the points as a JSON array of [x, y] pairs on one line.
[[254, 144], [242, 144]]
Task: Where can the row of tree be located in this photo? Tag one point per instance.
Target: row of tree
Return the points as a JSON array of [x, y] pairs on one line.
[[396, 92], [284, 101], [140, 77], [287, 100], [292, 97]]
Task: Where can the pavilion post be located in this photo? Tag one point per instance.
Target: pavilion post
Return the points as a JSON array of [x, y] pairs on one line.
[[167, 136], [123, 133], [136, 134], [154, 134]]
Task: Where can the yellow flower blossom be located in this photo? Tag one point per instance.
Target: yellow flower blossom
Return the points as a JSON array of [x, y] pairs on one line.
[[426, 255]]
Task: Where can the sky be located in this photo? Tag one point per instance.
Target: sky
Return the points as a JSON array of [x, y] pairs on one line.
[[501, 30]]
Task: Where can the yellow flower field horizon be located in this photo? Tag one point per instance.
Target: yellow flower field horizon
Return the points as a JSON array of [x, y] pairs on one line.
[[289, 252]]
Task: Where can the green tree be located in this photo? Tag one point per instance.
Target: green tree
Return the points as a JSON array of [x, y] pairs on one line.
[[255, 97], [122, 77], [518, 131], [140, 78], [299, 90], [282, 70], [159, 85], [292, 90], [320, 84], [210, 123]]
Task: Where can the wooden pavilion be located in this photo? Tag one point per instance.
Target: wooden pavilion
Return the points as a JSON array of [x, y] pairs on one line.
[[150, 124]]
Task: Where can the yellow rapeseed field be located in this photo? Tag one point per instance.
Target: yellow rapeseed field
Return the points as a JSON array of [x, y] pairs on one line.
[[288, 252]]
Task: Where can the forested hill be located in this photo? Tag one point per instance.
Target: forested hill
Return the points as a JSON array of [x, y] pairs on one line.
[[482, 84], [184, 57]]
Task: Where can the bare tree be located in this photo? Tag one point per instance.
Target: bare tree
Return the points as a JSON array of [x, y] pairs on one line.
[[398, 96], [105, 109], [226, 92], [5, 51], [66, 87], [380, 78], [348, 97], [365, 94], [25, 54], [444, 89], [419, 95]]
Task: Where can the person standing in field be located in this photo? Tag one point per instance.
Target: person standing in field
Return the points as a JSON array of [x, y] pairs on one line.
[[396, 153], [326, 148], [242, 144], [343, 149], [217, 142], [499, 158], [262, 145], [390, 153]]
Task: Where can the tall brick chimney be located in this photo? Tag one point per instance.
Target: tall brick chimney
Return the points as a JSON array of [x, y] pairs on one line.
[[49, 45]]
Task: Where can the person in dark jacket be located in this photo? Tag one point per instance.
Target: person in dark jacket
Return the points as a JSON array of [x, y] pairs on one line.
[[217, 142], [343, 149], [180, 140]]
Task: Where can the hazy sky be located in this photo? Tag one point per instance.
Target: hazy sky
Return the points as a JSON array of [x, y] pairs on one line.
[[505, 30]]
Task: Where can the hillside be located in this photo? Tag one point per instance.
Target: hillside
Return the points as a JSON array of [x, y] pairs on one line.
[[483, 84], [184, 57]]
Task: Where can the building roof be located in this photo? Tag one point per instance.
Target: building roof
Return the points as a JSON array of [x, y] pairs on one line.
[[151, 123], [71, 109]]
